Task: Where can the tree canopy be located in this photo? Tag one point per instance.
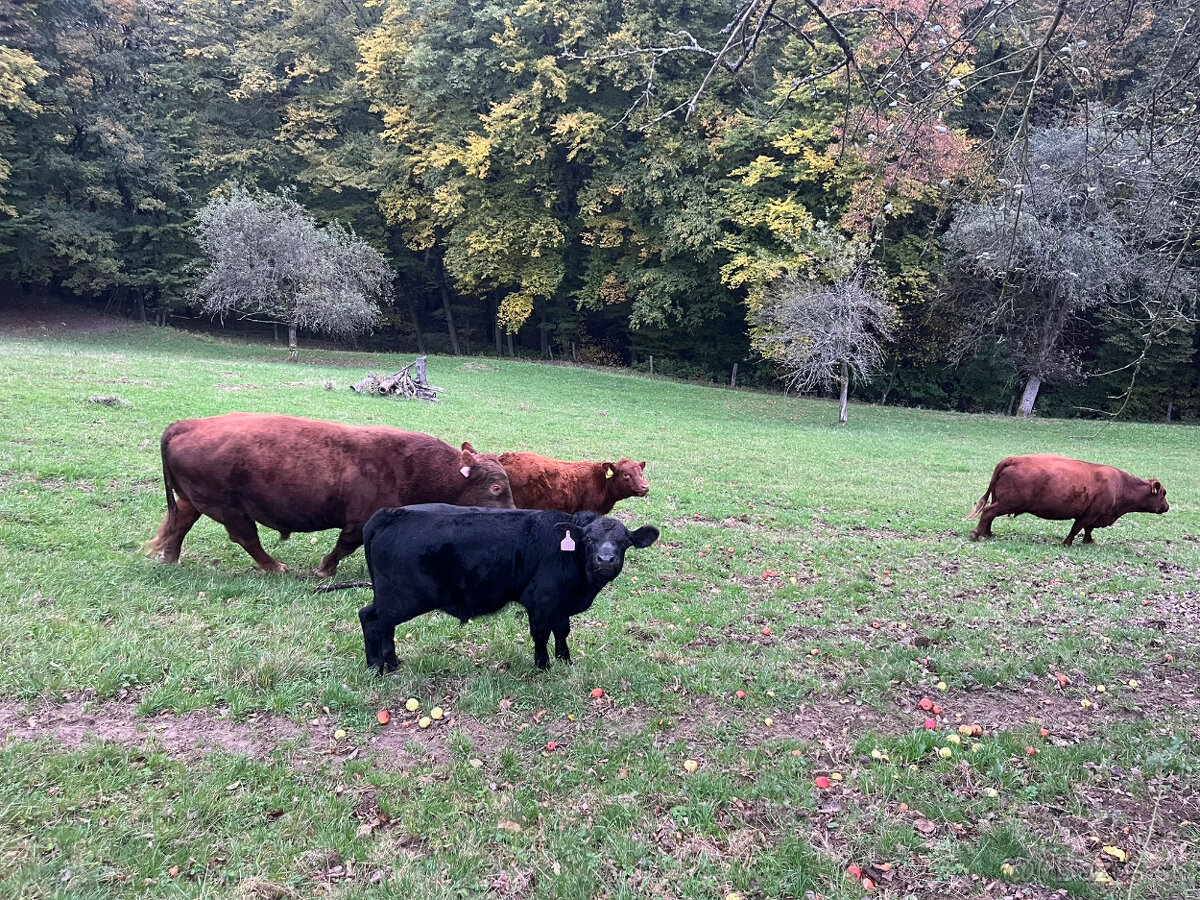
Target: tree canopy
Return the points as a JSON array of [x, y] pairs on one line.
[[621, 181]]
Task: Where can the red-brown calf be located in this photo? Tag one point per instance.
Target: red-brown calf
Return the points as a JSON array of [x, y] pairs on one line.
[[539, 482]]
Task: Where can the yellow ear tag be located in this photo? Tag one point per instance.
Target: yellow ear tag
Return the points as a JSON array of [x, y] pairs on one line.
[[466, 470], [568, 543], [608, 473]]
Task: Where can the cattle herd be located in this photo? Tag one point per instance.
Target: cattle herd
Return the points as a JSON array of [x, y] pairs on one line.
[[467, 532]]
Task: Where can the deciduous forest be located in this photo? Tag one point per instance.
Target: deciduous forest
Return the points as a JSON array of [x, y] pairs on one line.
[[1014, 184]]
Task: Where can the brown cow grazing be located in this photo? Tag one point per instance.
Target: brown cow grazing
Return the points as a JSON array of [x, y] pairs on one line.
[[292, 474], [1055, 487], [539, 482]]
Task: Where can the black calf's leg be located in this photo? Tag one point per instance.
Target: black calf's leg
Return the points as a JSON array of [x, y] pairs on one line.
[[379, 639], [561, 629], [540, 632]]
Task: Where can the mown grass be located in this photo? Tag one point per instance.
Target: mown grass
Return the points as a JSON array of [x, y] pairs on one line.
[[843, 541]]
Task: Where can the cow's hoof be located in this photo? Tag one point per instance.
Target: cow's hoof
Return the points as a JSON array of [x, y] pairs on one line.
[[974, 535]]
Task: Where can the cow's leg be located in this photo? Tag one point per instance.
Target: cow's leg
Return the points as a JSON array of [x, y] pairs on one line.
[[244, 532], [348, 541], [1075, 526], [539, 630], [561, 628], [173, 530], [1087, 534], [984, 528], [379, 639]]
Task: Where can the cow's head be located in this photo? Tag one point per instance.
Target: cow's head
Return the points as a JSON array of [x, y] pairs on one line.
[[487, 482], [625, 479], [603, 542], [1156, 498]]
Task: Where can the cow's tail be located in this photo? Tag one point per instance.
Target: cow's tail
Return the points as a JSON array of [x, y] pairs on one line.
[[341, 586], [155, 544], [989, 494]]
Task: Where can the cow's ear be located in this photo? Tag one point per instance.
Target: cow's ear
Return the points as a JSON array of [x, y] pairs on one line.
[[644, 536], [609, 469], [466, 445], [468, 460], [642, 465], [1155, 486]]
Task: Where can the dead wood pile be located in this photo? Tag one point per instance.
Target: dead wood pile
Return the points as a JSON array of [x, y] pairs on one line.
[[404, 383]]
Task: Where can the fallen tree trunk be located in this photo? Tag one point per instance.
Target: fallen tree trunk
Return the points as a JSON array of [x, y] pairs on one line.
[[402, 384]]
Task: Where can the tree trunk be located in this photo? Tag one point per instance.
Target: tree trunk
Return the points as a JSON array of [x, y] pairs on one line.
[[891, 382], [1030, 395], [454, 348], [843, 413], [544, 336], [416, 320], [511, 353], [293, 348]]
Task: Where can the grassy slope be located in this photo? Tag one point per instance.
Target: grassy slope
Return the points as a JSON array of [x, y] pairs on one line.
[[862, 524]]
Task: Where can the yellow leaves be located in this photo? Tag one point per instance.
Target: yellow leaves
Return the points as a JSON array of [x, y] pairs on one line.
[[1116, 853], [476, 156], [578, 131], [763, 167], [613, 290], [514, 310]]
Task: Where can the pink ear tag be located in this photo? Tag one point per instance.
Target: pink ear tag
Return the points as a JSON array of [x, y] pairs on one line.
[[568, 543], [466, 470]]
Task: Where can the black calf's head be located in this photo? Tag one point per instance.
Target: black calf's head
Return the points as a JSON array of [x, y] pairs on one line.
[[603, 542]]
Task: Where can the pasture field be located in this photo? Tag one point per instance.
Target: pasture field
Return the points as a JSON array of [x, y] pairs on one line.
[[178, 731]]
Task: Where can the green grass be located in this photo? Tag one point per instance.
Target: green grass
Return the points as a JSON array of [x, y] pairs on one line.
[[170, 730]]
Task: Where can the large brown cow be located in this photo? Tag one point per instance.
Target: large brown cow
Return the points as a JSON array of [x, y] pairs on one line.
[[1055, 487], [539, 482], [293, 474]]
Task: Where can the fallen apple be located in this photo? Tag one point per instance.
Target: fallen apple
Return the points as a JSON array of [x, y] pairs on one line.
[[953, 739], [835, 776], [925, 703], [815, 651], [766, 629], [821, 781], [597, 693], [1008, 870], [425, 722], [1044, 732], [868, 885], [551, 746], [945, 752], [937, 710], [854, 871], [339, 734], [941, 686], [991, 792], [741, 695], [931, 724], [413, 704], [690, 765], [1100, 689], [1031, 751], [768, 721], [1085, 703], [436, 713]]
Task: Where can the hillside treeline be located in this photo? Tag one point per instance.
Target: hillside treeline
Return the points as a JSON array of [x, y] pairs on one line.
[[620, 181]]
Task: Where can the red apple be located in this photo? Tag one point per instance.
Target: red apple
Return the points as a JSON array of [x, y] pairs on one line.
[[931, 724], [925, 703], [597, 693], [821, 781], [383, 716]]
